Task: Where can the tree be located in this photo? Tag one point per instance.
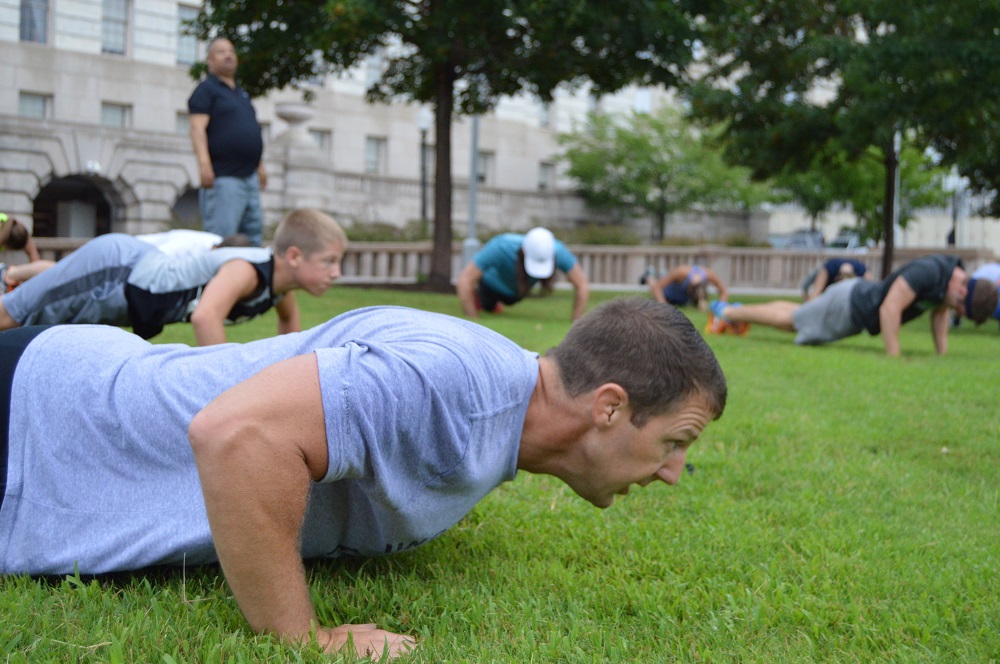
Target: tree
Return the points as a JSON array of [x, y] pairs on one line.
[[788, 78], [462, 58], [656, 165], [834, 177]]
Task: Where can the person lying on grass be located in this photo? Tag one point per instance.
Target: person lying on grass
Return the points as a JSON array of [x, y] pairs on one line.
[[936, 282], [119, 279], [369, 434]]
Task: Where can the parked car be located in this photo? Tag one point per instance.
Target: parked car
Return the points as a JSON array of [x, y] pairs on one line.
[[849, 241], [800, 239]]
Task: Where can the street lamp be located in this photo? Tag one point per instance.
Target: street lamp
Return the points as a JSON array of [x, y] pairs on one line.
[[424, 119], [955, 184]]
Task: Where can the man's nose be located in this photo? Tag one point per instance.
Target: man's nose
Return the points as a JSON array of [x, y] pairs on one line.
[[671, 471]]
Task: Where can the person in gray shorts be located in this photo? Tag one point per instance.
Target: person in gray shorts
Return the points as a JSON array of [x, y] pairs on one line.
[[118, 279], [936, 282]]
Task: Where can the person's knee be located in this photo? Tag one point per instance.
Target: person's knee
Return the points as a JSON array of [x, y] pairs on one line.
[[6, 321]]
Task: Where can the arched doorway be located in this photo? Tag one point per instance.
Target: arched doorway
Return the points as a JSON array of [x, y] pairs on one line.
[[185, 212], [76, 206]]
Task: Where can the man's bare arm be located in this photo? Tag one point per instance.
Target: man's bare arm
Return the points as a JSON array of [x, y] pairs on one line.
[[258, 446], [890, 313], [235, 280], [198, 130], [581, 290], [468, 282], [940, 321], [289, 319]]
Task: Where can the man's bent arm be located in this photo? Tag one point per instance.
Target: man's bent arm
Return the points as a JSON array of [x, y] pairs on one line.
[[288, 315], [581, 289], [235, 280], [890, 313], [257, 447], [468, 282], [940, 321]]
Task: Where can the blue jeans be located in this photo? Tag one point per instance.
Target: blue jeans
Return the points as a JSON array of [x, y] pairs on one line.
[[231, 206]]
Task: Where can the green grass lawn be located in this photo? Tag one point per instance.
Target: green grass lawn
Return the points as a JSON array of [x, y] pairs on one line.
[[845, 508]]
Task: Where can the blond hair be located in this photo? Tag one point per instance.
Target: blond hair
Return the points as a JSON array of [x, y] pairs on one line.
[[308, 229]]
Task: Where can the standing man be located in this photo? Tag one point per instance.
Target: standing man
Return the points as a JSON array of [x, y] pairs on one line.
[[227, 142], [509, 265]]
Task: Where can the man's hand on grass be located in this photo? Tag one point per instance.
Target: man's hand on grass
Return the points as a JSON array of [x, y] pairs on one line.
[[368, 640]]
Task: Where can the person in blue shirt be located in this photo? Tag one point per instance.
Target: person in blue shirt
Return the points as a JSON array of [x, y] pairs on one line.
[[504, 271], [829, 273], [227, 142], [687, 284]]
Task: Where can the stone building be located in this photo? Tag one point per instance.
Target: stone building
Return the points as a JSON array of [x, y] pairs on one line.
[[94, 133], [93, 138]]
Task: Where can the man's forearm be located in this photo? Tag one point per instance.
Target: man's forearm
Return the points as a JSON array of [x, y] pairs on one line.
[[940, 320], [467, 298], [580, 302], [256, 500], [890, 333]]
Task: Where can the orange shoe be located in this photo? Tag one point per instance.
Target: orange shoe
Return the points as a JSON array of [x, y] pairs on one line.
[[739, 328], [716, 325]]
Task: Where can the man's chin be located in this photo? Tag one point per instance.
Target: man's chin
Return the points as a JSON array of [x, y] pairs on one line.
[[602, 502]]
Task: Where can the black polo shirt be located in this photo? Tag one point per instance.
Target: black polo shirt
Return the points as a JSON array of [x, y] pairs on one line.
[[234, 141]]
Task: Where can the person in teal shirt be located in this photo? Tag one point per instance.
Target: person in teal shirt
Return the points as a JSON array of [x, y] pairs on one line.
[[504, 271]]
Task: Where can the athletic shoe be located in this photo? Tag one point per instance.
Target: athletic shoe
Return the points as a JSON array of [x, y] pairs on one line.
[[739, 328], [648, 276], [717, 323]]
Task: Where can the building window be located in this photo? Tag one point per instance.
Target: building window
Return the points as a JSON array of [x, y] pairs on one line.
[[546, 175], [323, 139], [187, 44], [373, 68], [183, 123], [114, 27], [643, 102], [375, 151], [594, 105], [116, 116], [486, 167], [544, 114], [31, 105], [35, 21]]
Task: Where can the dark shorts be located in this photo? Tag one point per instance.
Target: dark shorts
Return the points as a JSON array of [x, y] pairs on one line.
[[489, 298], [12, 345]]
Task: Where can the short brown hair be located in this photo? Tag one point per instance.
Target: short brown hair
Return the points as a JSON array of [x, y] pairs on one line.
[[981, 301], [648, 348], [308, 229], [17, 236]]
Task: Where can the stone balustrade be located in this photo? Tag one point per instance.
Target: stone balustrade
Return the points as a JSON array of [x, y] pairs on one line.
[[742, 269]]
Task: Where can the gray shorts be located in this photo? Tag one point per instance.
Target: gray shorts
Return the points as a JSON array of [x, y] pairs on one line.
[[88, 286], [828, 317]]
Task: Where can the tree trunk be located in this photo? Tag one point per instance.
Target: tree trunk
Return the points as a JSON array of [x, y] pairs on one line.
[[889, 208], [439, 278]]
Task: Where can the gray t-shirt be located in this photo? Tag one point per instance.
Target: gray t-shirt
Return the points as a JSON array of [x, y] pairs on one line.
[[423, 412]]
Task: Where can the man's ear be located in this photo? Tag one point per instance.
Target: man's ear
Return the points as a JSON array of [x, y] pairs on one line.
[[294, 256], [610, 405]]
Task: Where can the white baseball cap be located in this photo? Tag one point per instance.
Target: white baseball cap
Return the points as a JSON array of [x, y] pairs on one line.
[[539, 246]]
